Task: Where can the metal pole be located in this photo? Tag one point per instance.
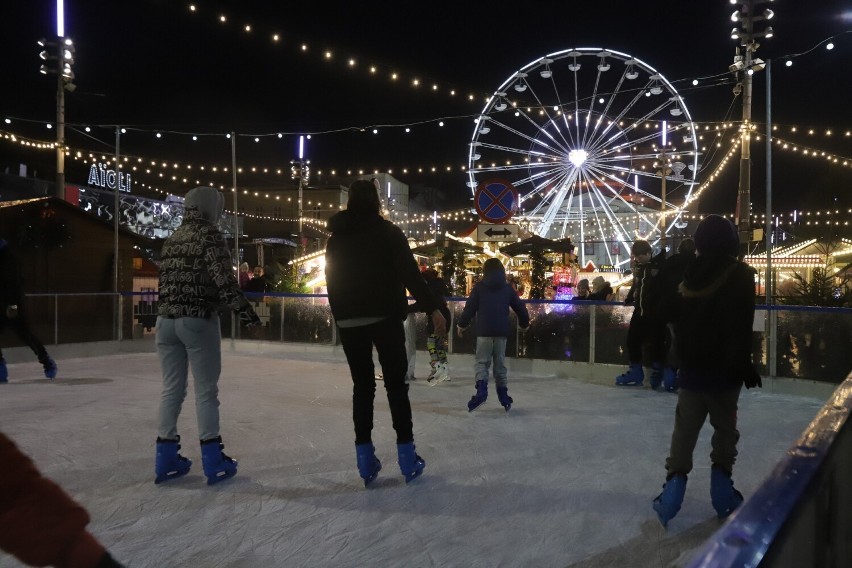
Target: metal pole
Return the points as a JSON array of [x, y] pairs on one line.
[[769, 286], [744, 195], [115, 235], [236, 223], [60, 121], [663, 203]]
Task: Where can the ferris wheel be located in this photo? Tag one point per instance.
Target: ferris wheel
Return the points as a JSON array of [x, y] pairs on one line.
[[585, 136]]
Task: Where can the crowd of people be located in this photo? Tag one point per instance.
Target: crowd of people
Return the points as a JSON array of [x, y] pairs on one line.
[[700, 297]]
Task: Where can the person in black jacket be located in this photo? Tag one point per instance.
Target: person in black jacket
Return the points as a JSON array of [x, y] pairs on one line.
[[13, 315], [370, 312], [668, 281], [644, 327], [713, 324]]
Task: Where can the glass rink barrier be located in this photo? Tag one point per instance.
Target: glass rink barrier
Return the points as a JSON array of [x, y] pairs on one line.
[[802, 513], [809, 343]]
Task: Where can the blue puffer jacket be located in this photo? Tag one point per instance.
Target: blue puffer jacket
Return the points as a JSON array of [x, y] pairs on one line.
[[490, 301]]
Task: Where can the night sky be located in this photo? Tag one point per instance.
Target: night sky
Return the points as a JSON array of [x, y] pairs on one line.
[[155, 65]]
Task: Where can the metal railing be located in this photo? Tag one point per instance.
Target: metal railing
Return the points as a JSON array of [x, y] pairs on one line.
[[795, 342], [802, 513]]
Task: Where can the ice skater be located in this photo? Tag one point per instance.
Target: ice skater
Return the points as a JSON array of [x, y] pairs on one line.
[[713, 324], [196, 279], [13, 314], [490, 301], [370, 311]]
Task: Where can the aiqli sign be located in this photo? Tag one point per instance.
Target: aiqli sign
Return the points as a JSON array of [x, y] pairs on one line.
[[496, 200], [100, 176]]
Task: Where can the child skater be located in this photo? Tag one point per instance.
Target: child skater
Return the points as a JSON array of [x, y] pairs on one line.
[[490, 301]]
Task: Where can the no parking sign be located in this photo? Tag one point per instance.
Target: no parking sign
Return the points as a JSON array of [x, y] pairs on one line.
[[495, 200]]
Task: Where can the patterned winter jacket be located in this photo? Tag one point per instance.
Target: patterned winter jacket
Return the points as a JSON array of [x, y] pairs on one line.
[[196, 272]]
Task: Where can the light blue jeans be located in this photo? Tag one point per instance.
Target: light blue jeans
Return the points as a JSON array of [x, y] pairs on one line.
[[181, 343], [490, 349]]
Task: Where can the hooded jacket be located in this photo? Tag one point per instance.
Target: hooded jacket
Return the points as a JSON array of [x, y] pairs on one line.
[[713, 316], [490, 301], [368, 266], [196, 272]]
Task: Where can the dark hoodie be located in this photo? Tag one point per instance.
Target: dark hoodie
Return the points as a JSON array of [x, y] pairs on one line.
[[368, 266], [713, 324], [196, 271], [490, 301]]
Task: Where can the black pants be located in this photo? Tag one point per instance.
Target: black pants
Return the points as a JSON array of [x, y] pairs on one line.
[[646, 330], [19, 325], [389, 338]]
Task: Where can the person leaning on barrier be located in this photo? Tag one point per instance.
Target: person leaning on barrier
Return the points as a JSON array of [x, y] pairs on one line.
[[713, 319]]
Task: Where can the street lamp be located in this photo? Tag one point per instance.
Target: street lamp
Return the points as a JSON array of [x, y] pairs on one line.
[[58, 57], [743, 68], [301, 170]]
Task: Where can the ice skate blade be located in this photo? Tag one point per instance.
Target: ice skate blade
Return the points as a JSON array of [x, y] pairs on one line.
[[372, 477], [170, 475]]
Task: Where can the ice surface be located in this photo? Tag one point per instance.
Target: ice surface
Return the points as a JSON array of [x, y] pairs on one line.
[[565, 478]]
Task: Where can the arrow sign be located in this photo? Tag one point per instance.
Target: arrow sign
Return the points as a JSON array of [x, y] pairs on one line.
[[496, 233]]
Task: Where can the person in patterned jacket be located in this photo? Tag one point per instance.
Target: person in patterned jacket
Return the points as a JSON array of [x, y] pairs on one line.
[[196, 280]]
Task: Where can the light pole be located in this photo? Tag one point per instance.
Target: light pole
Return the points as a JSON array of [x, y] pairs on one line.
[[743, 68], [300, 169], [60, 51]]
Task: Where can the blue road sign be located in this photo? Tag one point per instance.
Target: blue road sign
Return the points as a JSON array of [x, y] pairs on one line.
[[495, 200]]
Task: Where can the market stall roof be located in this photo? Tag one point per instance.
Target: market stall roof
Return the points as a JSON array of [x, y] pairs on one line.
[[536, 243], [438, 247]]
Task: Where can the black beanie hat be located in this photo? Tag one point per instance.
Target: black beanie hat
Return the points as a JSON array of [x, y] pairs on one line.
[[716, 235]]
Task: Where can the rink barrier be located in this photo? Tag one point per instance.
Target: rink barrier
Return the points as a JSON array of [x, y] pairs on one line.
[[800, 346], [801, 515]]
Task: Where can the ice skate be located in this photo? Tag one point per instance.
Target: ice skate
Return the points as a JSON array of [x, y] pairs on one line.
[[4, 372], [504, 398], [723, 495], [217, 466], [442, 374], [169, 463], [656, 377], [49, 368], [410, 464], [369, 465], [634, 377], [481, 395], [668, 503], [670, 382]]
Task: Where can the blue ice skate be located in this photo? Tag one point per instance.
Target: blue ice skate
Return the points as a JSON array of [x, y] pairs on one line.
[[670, 382], [668, 503], [504, 398], [169, 463], [479, 397], [723, 495], [49, 368], [410, 464], [634, 377], [369, 465], [4, 372], [217, 466]]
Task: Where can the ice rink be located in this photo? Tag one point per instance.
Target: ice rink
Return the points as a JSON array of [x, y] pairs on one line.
[[565, 479]]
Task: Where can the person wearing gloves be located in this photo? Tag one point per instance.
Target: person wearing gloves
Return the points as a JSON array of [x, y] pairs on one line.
[[490, 301], [196, 280], [370, 312], [40, 524], [713, 317]]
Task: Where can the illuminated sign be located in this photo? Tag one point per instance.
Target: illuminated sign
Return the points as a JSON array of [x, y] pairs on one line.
[[100, 176]]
